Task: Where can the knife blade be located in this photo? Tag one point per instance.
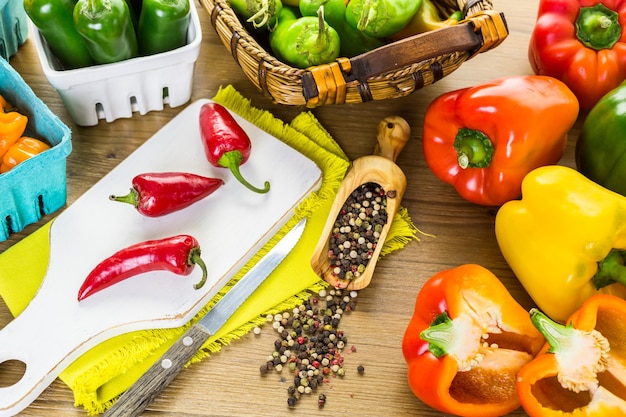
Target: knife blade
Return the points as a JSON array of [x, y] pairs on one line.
[[141, 394]]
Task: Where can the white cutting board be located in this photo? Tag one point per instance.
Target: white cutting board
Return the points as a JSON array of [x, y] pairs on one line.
[[231, 225]]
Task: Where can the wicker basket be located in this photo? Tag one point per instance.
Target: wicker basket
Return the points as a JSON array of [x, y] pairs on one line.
[[391, 71]]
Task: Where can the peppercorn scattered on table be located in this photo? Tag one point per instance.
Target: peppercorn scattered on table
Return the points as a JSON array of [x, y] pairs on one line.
[[375, 374]]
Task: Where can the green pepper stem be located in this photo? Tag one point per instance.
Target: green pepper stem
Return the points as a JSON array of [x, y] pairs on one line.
[[263, 14], [474, 148], [93, 9], [131, 198], [611, 269], [557, 335], [368, 14], [321, 41], [438, 335], [195, 259], [232, 160], [598, 27]]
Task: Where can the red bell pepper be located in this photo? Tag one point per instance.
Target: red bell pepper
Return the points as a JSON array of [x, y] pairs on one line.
[[583, 44], [160, 193], [485, 139], [178, 254], [465, 343]]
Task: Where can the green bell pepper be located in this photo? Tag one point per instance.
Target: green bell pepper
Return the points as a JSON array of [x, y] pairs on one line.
[[304, 41], [163, 25], [107, 28], [381, 18], [353, 41], [54, 20], [601, 147]]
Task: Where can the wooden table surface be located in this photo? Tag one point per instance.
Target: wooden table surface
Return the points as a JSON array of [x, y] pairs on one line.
[[228, 383]]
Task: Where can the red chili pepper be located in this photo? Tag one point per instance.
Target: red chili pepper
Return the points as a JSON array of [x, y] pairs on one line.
[[178, 254], [226, 144], [157, 194]]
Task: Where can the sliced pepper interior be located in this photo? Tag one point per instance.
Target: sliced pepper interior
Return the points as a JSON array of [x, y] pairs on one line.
[[488, 352]]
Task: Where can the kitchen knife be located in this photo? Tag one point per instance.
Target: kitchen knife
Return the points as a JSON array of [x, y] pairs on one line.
[[137, 398]]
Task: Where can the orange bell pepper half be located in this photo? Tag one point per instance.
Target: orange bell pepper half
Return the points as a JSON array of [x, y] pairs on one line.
[[465, 343], [581, 371], [485, 139]]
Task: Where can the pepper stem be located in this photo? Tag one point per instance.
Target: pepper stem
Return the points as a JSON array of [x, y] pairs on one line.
[[438, 335], [232, 160], [598, 27], [611, 269], [580, 354], [321, 41], [368, 14], [262, 15], [474, 149], [131, 198], [195, 259], [557, 335]]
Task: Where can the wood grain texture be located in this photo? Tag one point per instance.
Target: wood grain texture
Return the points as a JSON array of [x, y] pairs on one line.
[[229, 383]]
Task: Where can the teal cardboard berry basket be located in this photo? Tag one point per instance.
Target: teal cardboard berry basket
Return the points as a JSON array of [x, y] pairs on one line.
[[37, 186], [13, 27]]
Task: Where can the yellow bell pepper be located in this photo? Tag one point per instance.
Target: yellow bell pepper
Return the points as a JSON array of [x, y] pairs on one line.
[[565, 240]]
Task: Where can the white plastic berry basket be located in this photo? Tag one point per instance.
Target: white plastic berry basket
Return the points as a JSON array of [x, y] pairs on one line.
[[113, 91]]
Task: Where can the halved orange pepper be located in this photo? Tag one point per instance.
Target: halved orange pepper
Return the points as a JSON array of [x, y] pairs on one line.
[[24, 148], [466, 342], [12, 125], [581, 371]]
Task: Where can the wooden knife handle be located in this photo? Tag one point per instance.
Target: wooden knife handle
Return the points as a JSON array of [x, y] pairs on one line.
[[141, 394]]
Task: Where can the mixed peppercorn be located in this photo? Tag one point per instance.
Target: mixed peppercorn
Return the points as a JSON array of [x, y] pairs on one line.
[[357, 230], [310, 344]]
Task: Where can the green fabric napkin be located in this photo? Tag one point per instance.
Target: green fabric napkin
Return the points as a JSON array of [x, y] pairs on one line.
[[107, 370]]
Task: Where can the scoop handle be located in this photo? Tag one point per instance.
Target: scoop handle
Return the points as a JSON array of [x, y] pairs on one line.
[[392, 136]]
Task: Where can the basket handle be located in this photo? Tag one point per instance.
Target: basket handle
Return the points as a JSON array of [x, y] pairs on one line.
[[326, 84]]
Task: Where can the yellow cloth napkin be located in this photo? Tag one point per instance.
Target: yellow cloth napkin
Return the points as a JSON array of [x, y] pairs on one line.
[[107, 370]]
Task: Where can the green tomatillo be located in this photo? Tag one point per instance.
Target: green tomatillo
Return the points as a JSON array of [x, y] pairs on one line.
[[304, 41], [353, 41], [260, 14], [381, 18]]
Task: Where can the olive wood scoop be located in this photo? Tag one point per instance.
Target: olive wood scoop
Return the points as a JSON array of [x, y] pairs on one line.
[[380, 168]]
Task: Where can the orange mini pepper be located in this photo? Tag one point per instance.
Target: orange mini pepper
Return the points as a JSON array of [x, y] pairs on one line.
[[12, 127], [466, 342], [26, 147], [580, 371], [4, 104]]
